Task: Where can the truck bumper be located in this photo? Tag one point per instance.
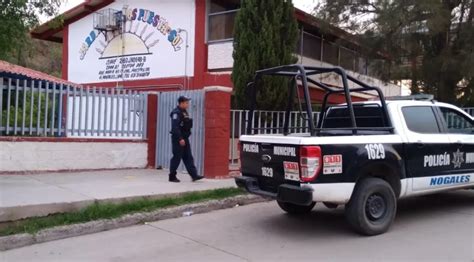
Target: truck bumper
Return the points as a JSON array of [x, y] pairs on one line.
[[286, 193]]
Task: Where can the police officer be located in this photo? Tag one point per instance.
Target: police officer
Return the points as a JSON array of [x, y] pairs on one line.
[[181, 125]]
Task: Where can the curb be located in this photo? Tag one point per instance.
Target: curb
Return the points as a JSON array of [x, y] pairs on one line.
[[13, 213], [61, 232]]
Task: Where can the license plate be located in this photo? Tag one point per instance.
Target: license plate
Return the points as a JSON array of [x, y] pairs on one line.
[[267, 171], [292, 171]]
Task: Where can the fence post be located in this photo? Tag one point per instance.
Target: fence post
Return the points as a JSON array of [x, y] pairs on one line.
[[151, 122], [217, 130]]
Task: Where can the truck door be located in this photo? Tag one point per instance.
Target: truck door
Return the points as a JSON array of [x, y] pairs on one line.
[[428, 151], [460, 128]]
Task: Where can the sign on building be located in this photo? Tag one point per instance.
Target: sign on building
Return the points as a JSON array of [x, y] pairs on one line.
[[150, 43]]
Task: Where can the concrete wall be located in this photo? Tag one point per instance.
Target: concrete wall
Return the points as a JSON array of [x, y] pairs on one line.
[[24, 156]]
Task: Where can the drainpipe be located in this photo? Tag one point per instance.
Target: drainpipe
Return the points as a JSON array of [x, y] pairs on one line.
[[180, 30]]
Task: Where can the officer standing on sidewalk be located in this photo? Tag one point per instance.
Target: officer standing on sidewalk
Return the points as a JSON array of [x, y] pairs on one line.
[[181, 125]]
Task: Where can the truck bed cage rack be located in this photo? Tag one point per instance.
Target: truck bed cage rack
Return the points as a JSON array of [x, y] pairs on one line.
[[302, 73]]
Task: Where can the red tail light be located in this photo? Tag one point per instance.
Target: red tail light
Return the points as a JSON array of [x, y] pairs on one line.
[[310, 162]]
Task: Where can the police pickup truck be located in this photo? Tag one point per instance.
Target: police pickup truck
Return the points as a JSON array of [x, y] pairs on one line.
[[364, 155]]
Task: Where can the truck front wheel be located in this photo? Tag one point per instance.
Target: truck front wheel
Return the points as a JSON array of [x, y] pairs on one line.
[[372, 207], [295, 209]]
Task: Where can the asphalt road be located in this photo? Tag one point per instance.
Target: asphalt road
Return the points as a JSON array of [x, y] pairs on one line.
[[431, 228]]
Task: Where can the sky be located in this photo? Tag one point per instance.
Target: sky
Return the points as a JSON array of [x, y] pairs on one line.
[[305, 5]]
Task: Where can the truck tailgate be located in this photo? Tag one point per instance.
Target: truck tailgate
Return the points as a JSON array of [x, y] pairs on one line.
[[271, 164]]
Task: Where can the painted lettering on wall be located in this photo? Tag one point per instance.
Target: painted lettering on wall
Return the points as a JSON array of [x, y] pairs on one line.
[[125, 67], [139, 32]]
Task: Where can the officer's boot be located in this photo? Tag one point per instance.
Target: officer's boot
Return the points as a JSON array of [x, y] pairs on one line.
[[173, 178]]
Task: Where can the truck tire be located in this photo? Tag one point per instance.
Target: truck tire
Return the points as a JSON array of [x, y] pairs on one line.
[[295, 209], [372, 207]]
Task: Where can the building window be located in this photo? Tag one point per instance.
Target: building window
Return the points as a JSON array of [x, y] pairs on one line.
[[330, 53], [221, 19], [347, 58], [311, 46]]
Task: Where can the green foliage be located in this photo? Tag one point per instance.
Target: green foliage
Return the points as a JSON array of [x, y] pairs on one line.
[[265, 35], [108, 210], [26, 109], [17, 18], [430, 42]]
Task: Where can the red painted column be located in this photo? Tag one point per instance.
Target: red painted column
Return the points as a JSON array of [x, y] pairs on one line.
[[217, 130], [152, 114], [200, 47], [65, 54]]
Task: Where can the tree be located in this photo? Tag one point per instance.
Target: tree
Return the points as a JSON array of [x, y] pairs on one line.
[[17, 17], [435, 38], [265, 35]]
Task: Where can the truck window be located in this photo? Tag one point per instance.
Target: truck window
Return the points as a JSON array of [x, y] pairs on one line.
[[367, 115], [456, 122], [420, 119]]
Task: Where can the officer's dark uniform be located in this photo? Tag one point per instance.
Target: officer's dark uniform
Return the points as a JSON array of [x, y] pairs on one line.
[[181, 125]]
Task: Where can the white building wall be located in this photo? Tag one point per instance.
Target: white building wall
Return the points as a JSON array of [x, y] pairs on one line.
[[220, 57], [151, 46], [55, 156]]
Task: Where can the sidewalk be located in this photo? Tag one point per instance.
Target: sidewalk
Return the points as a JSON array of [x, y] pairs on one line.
[[23, 196]]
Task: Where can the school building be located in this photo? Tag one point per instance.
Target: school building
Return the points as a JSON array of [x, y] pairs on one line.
[[119, 49]]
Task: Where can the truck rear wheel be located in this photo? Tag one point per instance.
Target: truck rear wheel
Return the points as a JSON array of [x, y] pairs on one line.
[[295, 209], [372, 207]]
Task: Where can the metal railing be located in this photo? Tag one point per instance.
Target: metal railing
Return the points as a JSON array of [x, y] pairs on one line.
[[38, 108], [264, 122]]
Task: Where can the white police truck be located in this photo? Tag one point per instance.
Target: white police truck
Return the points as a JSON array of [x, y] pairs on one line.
[[364, 155]]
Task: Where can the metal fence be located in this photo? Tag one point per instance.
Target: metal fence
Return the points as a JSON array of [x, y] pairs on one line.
[[469, 110], [264, 122], [38, 108], [166, 103]]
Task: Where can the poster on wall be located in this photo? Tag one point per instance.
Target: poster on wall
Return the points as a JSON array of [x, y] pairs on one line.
[[136, 41]]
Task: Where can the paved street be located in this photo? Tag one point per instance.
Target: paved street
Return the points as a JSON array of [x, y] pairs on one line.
[[431, 228]]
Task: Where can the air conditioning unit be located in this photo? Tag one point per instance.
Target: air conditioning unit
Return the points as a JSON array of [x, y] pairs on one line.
[[108, 20]]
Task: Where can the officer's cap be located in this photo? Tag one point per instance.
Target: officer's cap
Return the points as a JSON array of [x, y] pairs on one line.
[[183, 99]]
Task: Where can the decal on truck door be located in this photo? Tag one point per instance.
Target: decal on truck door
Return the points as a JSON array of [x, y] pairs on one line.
[[458, 158]]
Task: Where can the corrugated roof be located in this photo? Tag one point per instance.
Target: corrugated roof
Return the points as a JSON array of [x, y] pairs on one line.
[[12, 70]]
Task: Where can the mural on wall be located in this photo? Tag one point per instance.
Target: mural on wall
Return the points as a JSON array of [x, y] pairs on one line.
[[136, 48]]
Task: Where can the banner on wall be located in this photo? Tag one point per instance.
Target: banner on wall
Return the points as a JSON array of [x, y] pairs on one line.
[[149, 44]]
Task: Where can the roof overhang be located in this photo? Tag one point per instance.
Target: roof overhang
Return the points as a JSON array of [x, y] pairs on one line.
[[52, 32]]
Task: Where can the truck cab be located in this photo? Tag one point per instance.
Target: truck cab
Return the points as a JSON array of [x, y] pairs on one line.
[[363, 155]]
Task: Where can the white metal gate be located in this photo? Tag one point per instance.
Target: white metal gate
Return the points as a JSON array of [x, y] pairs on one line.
[[167, 101]]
